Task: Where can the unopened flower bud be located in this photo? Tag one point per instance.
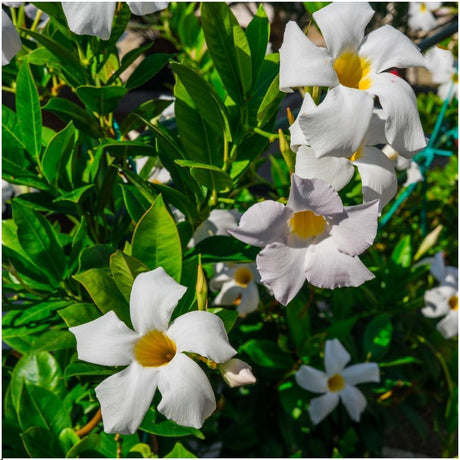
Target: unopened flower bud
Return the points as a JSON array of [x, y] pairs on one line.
[[201, 289], [288, 154], [237, 373]]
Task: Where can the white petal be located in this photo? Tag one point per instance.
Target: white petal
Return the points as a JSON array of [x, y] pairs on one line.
[[356, 231], [237, 373], [302, 63], [249, 299], [376, 133], [217, 282], [11, 43], [414, 174], [263, 223], [437, 301], [13, 4], [315, 195], [354, 401], [281, 268], [327, 267], [448, 326], [343, 24], [440, 63], [106, 341], [335, 171], [448, 90], [338, 125], [378, 176], [322, 406], [403, 128], [218, 222], [90, 18], [335, 357], [141, 8], [360, 373], [311, 379], [438, 267], [387, 47], [153, 298], [203, 333], [126, 396], [228, 293], [420, 19], [297, 136], [186, 394]]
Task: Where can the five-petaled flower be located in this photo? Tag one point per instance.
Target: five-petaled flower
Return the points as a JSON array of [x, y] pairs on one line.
[[443, 300], [337, 383], [155, 354], [421, 15], [353, 65], [313, 237], [440, 63]]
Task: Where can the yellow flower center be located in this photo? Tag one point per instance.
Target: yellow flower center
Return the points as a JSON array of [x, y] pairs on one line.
[[307, 224], [154, 349], [243, 276], [353, 71], [453, 302], [357, 155], [336, 383], [422, 7]]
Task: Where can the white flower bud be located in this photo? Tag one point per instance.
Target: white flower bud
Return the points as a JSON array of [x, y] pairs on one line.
[[237, 373]]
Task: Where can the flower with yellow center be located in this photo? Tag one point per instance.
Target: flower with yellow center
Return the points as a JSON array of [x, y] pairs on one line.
[[154, 353], [441, 63], [421, 15], [313, 237], [442, 301], [337, 383], [237, 285], [353, 67]]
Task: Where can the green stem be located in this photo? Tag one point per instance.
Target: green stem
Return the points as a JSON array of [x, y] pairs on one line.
[[36, 20], [270, 136]]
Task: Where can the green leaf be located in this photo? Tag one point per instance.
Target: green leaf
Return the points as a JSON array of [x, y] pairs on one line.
[[80, 368], [135, 202], [210, 176], [124, 269], [68, 438], [39, 241], [298, 321], [88, 446], [54, 340], [258, 35], [170, 429], [96, 256], [228, 317], [127, 60], [104, 292], [79, 313], [148, 110], [74, 195], [179, 451], [243, 55], [156, 241], [217, 21], [270, 103], [57, 154], [402, 253], [41, 443], [266, 353], [28, 109], [40, 407], [68, 111], [101, 99], [125, 148], [149, 67], [377, 336]]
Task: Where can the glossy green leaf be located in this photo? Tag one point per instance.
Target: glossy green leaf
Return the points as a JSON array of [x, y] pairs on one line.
[[243, 55], [124, 269], [149, 67], [80, 368], [79, 313], [74, 195], [377, 336], [40, 442], [179, 451], [104, 292], [210, 176], [135, 202], [96, 256], [270, 103], [156, 240], [402, 253], [266, 353], [298, 320], [170, 429], [258, 35], [29, 112], [87, 447], [57, 154], [68, 438], [127, 60], [101, 99]]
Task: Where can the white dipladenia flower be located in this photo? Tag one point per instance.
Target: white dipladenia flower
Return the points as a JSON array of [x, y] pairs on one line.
[[401, 163], [313, 237], [11, 43], [441, 64], [377, 173], [236, 284], [353, 66], [237, 373], [443, 300], [156, 356], [217, 224], [421, 15], [337, 383], [95, 18]]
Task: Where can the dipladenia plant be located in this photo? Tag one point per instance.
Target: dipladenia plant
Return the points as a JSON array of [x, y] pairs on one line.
[[185, 249]]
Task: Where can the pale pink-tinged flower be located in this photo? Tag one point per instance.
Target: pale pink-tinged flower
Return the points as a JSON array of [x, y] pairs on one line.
[[354, 66], [155, 356], [313, 237], [337, 383], [237, 373]]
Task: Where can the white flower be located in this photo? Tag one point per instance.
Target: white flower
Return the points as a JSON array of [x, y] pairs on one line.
[[443, 300], [218, 222], [441, 64], [314, 237], [95, 18], [237, 373], [377, 173], [237, 286], [155, 354], [353, 66], [11, 43], [421, 15], [413, 171], [337, 383], [157, 174]]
